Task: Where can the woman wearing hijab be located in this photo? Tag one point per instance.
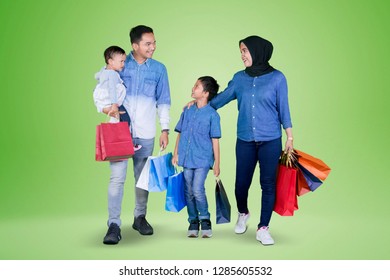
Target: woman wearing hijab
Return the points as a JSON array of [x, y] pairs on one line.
[[261, 93]]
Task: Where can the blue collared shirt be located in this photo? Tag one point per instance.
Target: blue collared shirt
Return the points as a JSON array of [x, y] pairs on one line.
[[197, 127], [262, 104], [147, 93]]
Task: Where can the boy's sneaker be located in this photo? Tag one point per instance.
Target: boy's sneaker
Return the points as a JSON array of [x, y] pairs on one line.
[[241, 223], [264, 236], [113, 235], [142, 225], [193, 229], [206, 228]]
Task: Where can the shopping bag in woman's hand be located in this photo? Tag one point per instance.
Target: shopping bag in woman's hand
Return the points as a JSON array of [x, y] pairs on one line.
[[286, 197], [313, 165]]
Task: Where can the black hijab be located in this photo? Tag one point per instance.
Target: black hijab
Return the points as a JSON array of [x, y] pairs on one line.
[[261, 52]]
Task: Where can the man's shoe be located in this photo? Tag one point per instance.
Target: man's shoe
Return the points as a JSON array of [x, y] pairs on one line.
[[241, 223], [206, 228], [193, 229], [142, 225], [264, 236], [113, 235]]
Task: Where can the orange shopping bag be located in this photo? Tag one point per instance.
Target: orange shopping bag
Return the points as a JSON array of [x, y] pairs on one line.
[[314, 165]]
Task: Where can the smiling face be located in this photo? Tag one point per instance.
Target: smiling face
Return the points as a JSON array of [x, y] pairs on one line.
[[245, 55], [145, 48]]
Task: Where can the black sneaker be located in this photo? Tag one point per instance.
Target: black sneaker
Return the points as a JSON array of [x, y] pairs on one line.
[[142, 225], [206, 228], [113, 235], [193, 229]]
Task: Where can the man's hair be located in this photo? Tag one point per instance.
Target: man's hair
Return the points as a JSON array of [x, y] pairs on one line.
[[210, 85], [111, 51], [137, 32]]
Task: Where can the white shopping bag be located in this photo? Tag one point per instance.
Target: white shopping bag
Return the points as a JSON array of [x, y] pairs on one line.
[[143, 180]]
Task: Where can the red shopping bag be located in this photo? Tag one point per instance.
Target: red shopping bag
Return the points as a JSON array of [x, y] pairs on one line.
[[302, 186], [286, 201], [113, 142]]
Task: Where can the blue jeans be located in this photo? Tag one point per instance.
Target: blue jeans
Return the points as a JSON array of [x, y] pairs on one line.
[[267, 153], [118, 178], [194, 190]]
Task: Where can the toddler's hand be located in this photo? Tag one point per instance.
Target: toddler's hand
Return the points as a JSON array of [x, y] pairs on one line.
[[114, 111]]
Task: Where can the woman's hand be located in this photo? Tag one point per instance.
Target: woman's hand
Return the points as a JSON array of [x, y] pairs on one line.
[[289, 147]]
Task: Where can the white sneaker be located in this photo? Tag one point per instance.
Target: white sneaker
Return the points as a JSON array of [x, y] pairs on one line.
[[241, 223], [264, 236]]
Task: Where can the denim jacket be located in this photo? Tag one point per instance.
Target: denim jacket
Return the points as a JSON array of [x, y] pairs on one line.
[[147, 93]]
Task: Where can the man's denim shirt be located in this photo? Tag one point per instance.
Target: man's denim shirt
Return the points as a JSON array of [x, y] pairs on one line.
[[147, 93]]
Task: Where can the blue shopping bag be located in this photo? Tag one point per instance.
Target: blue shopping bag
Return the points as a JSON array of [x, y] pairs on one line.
[[223, 210], [175, 200], [160, 169], [312, 181]]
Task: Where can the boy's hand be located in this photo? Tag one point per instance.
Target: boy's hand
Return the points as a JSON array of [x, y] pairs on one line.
[[216, 170], [175, 159]]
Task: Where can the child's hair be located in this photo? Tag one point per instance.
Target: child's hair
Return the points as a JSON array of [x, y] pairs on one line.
[[210, 85], [137, 32], [111, 51]]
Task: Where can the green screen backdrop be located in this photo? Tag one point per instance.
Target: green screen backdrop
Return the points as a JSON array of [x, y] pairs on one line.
[[53, 194]]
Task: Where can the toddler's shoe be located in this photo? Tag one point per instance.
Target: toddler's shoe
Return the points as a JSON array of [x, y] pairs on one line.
[[137, 147]]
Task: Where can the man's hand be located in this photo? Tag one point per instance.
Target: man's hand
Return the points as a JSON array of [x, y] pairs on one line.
[[164, 140]]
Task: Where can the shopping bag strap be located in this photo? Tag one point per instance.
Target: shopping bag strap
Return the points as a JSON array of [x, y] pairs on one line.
[[177, 169], [109, 117]]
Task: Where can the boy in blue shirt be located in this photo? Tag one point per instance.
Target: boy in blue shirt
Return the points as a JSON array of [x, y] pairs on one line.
[[197, 151]]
